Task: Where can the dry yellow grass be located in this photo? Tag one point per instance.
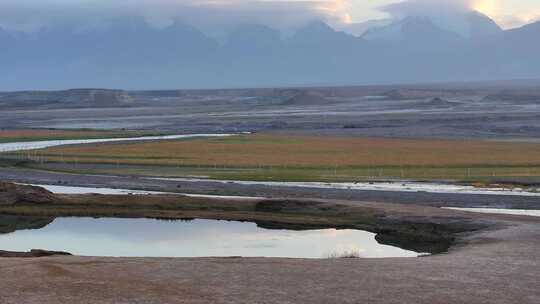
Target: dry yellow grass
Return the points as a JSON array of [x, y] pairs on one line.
[[305, 151]]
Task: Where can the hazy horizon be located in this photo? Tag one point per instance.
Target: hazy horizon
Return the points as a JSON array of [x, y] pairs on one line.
[[31, 15], [187, 44]]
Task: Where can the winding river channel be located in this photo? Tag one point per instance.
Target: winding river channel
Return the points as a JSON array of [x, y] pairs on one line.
[[31, 145]]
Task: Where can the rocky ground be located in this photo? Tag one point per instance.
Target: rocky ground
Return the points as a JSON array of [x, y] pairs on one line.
[[495, 266], [441, 111]]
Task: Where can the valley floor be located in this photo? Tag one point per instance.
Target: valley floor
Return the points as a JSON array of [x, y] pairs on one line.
[[497, 265]]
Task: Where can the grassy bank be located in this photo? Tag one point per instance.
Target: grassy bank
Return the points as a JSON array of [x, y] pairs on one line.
[[402, 228], [299, 158], [485, 175]]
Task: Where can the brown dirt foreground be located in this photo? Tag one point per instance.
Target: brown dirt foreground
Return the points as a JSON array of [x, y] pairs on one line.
[[497, 265], [502, 267]]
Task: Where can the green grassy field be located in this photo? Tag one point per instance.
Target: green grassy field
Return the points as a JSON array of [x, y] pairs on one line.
[[471, 174], [298, 158]]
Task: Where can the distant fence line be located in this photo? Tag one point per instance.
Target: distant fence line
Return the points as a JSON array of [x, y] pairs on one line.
[[372, 172]]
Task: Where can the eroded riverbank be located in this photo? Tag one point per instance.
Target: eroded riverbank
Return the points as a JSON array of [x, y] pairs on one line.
[[409, 227], [215, 188]]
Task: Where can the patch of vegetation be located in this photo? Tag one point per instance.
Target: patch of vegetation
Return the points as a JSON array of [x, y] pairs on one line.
[[264, 157], [478, 175], [348, 254]]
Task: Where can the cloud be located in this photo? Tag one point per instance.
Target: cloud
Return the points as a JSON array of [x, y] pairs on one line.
[[502, 12], [32, 14], [427, 7], [514, 21]]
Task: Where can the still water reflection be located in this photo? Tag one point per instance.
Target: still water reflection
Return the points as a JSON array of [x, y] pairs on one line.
[[197, 238]]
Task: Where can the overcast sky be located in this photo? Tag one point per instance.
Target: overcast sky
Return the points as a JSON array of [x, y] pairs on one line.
[[31, 14], [508, 13]]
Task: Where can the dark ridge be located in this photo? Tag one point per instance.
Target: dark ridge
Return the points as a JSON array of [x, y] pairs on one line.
[[307, 98], [34, 253]]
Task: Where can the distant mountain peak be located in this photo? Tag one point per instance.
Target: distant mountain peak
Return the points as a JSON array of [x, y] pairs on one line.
[[254, 32], [359, 29], [316, 28], [471, 24], [410, 28], [307, 98], [480, 25], [525, 38], [319, 32], [132, 23], [132, 53], [254, 39], [530, 28]]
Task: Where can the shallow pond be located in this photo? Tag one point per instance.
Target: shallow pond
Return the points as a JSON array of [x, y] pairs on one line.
[[196, 238]]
